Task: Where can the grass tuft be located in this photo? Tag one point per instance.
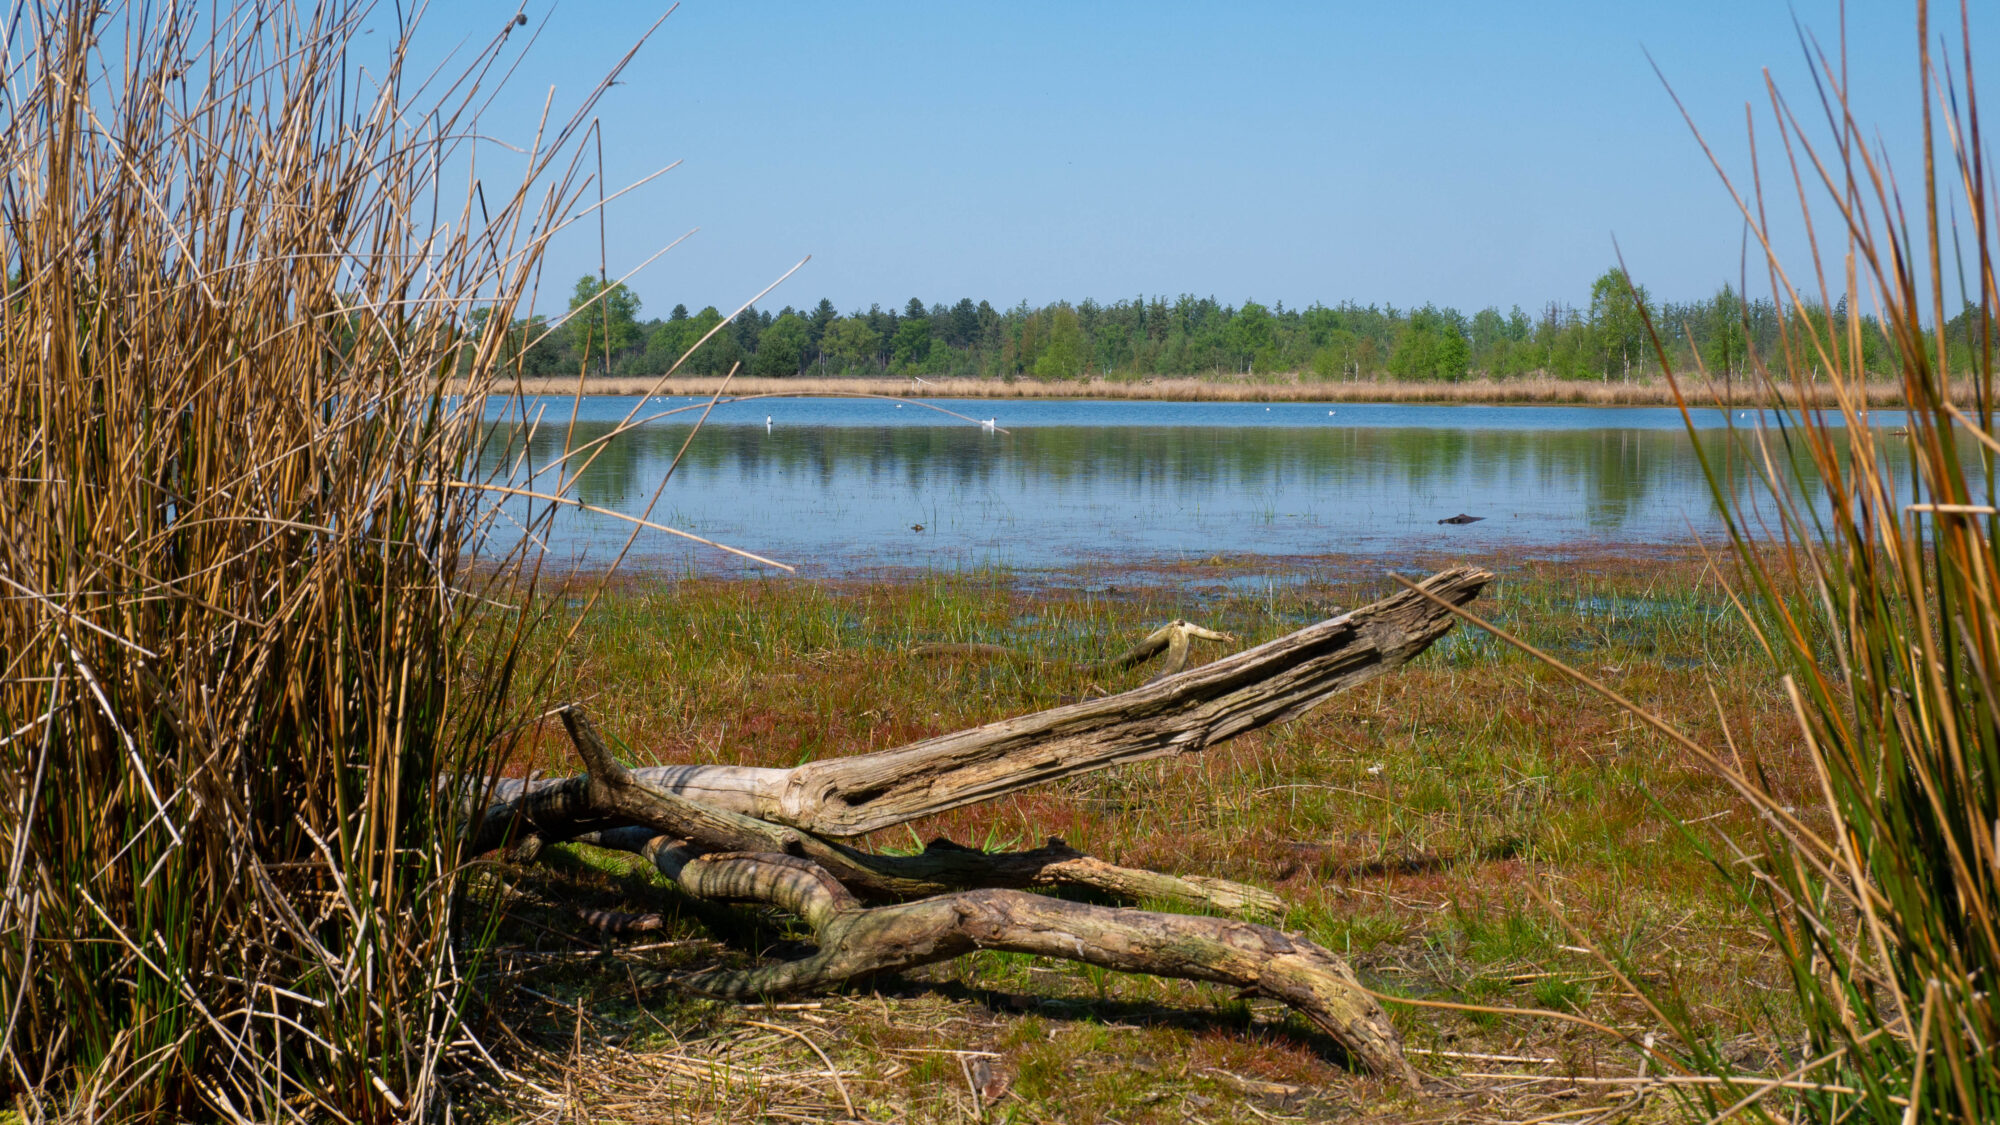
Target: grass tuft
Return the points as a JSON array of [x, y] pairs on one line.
[[1879, 886]]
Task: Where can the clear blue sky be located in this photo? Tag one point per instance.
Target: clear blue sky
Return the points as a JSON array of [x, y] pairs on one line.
[[1470, 154]]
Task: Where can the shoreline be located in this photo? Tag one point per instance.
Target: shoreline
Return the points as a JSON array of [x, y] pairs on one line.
[[1110, 572], [1471, 392]]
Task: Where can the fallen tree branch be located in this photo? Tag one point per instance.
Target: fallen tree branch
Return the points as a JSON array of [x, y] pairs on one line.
[[750, 835], [1173, 638], [636, 809], [857, 941], [1179, 714], [944, 866]]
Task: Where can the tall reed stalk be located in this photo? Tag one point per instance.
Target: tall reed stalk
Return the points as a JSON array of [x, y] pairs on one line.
[[240, 638], [1877, 594]]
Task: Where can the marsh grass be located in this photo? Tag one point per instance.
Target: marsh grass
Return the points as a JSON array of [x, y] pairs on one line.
[[241, 642]]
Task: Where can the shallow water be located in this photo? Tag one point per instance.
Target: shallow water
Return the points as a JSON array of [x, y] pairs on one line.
[[839, 485]]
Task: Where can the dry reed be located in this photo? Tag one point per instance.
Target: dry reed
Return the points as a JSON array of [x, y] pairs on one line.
[[1277, 388], [1880, 605], [237, 622]]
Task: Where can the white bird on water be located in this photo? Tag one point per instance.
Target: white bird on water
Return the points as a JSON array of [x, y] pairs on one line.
[[986, 423], [767, 423]]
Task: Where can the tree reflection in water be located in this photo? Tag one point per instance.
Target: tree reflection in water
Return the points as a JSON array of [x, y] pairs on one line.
[[844, 493]]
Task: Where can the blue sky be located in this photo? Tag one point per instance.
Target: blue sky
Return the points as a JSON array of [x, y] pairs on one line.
[[1469, 154]]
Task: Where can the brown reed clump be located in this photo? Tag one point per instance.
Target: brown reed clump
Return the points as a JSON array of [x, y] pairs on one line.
[[238, 643], [1883, 895], [1532, 390]]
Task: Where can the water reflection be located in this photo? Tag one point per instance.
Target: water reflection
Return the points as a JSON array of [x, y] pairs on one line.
[[836, 497]]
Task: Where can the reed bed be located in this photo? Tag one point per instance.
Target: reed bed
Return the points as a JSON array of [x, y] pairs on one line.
[[238, 390], [1270, 388]]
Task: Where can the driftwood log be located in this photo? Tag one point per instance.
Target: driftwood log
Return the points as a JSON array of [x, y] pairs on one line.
[[775, 836]]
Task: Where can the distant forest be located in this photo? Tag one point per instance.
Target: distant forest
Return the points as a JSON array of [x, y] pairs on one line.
[[1605, 339]]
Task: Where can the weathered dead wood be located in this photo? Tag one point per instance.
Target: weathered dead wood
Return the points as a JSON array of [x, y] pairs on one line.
[[944, 866], [1184, 713], [1173, 638], [628, 810], [680, 838], [856, 941]]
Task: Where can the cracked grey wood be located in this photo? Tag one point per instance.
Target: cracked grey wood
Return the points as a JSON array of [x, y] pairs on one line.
[[856, 941], [1179, 714], [629, 810], [738, 834]]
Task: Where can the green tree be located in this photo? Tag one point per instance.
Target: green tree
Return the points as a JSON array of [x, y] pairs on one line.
[[781, 349], [603, 321], [1723, 354], [1489, 340], [1336, 358], [668, 342], [1063, 356], [1430, 346], [1252, 338], [1617, 321], [822, 318], [962, 327], [719, 354], [912, 342], [849, 343]]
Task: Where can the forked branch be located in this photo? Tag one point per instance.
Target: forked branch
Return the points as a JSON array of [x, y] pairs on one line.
[[1180, 714], [856, 941], [614, 807]]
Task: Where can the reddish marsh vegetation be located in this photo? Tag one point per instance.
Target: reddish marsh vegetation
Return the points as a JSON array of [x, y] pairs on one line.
[[1460, 828]]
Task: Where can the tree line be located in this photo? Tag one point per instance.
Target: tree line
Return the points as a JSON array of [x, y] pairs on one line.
[[605, 334]]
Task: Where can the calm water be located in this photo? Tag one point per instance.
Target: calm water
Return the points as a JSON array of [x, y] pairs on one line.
[[835, 485]]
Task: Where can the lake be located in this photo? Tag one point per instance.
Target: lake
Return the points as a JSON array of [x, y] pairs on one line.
[[835, 486]]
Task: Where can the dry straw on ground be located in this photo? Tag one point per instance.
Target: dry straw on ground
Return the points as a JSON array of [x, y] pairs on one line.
[[1534, 390]]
